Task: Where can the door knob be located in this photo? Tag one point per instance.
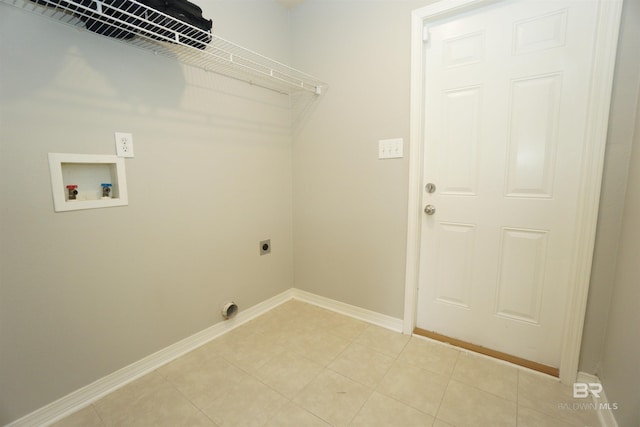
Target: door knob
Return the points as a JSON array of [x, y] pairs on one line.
[[430, 188], [429, 209]]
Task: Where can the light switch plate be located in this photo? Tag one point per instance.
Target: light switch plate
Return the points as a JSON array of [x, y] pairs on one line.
[[390, 148]]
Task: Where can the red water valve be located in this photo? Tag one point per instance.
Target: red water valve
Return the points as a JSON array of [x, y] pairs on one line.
[[73, 191]]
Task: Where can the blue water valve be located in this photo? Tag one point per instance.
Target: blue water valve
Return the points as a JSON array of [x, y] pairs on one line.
[[106, 190]]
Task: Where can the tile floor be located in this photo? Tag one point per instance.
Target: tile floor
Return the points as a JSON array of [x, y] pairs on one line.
[[300, 365]]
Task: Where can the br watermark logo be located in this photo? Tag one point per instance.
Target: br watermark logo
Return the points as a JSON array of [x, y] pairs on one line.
[[586, 390], [582, 390]]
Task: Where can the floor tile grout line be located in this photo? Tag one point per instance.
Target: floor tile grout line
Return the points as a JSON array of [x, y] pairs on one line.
[[371, 391], [255, 377], [483, 390], [436, 416], [181, 393], [448, 384], [291, 400], [231, 362], [197, 407], [361, 406], [351, 342], [98, 414], [377, 388]]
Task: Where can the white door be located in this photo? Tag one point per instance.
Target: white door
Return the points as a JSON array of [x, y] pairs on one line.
[[506, 95]]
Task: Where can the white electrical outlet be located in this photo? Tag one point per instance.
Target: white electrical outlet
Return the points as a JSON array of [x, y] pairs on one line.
[[124, 144]]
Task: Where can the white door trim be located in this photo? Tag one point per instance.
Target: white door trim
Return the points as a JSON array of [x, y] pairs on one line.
[[591, 170]]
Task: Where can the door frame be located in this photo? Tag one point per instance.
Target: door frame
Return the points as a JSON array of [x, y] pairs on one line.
[[600, 87]]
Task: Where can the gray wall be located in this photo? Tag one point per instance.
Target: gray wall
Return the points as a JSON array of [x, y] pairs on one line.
[[620, 366], [188, 240], [614, 185], [350, 209], [85, 293]]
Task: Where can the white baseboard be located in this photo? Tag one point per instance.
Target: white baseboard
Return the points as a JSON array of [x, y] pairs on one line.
[[84, 396], [602, 403], [368, 316]]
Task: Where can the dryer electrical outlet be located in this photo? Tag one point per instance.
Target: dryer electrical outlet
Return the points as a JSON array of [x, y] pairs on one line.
[[124, 144], [265, 247]]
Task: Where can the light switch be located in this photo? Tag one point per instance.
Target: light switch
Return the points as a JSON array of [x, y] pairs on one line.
[[390, 148]]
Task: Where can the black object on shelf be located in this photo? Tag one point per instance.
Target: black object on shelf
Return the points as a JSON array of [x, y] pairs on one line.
[[174, 21]]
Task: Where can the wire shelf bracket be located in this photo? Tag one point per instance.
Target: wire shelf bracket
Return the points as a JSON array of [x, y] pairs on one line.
[[137, 24]]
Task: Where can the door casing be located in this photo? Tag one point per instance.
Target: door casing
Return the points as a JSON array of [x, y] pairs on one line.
[[590, 172]]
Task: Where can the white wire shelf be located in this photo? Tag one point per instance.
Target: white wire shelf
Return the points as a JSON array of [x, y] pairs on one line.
[[140, 25]]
